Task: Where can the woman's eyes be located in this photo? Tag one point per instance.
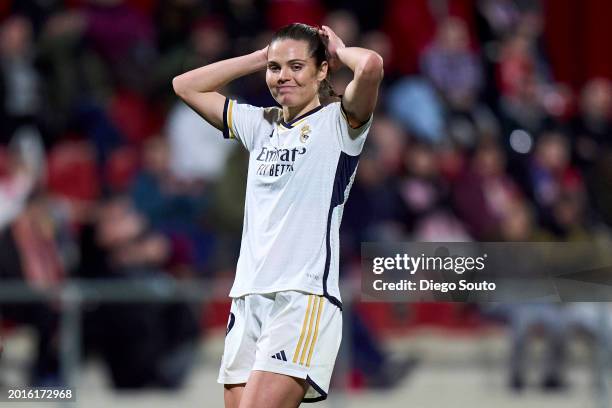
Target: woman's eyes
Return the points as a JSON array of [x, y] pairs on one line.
[[294, 67]]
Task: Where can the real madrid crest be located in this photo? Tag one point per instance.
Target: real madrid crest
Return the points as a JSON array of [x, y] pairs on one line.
[[304, 133]]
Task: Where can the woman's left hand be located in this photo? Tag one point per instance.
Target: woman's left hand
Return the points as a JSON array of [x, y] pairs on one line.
[[333, 44]]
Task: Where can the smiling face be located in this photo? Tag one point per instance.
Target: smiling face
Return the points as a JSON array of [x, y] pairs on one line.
[[292, 74]]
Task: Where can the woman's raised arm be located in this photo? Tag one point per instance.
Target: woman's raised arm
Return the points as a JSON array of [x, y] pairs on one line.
[[361, 94], [198, 88]]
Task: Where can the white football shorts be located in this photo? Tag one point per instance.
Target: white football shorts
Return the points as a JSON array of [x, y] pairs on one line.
[[291, 333]]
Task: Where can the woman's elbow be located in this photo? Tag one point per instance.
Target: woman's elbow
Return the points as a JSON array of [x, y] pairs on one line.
[[372, 67], [178, 84]]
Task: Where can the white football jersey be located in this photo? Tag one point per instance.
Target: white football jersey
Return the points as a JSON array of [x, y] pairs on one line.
[[299, 178]]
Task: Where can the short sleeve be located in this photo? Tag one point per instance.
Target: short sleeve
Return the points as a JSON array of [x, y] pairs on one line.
[[351, 139], [247, 123]]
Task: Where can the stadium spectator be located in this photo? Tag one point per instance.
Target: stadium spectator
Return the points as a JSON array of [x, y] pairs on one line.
[[484, 191], [144, 345], [31, 254], [451, 65], [592, 127], [20, 82]]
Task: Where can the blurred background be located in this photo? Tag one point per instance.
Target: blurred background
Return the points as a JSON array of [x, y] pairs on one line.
[[121, 209]]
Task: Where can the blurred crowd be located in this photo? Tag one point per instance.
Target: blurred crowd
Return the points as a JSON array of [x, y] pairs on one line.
[[105, 174]]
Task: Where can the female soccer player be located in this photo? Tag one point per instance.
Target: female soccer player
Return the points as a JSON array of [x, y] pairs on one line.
[[285, 322]]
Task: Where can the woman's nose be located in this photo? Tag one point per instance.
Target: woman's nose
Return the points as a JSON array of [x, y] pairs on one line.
[[285, 74]]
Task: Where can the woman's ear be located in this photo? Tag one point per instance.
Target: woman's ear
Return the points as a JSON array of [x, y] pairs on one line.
[[322, 72]]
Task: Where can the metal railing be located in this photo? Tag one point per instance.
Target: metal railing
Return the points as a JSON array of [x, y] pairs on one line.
[[74, 294]]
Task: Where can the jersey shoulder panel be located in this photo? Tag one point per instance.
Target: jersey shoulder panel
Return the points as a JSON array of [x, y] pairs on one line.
[[247, 123]]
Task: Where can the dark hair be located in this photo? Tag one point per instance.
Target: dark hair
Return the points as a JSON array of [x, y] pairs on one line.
[[316, 46]]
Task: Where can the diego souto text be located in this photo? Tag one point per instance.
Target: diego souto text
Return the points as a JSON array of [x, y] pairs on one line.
[[424, 284]]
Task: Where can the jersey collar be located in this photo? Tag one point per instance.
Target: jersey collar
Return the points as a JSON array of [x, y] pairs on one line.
[[293, 122]]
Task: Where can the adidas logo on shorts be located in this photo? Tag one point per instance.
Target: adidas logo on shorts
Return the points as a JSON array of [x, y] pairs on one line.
[[280, 355]]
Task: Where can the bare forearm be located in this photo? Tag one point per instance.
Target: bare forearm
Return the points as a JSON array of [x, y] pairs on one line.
[[214, 76]]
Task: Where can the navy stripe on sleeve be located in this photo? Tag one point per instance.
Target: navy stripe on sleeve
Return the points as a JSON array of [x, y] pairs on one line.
[[226, 129]]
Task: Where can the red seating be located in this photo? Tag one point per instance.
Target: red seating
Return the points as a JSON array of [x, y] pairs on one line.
[[134, 117], [72, 171], [121, 167]]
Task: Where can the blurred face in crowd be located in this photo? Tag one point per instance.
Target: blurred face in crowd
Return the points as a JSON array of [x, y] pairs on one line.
[[421, 161], [489, 161], [552, 152], [157, 156], [568, 210], [118, 223], [292, 74], [388, 139], [453, 34], [517, 222], [597, 98], [209, 40], [531, 24], [15, 36], [344, 24]]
